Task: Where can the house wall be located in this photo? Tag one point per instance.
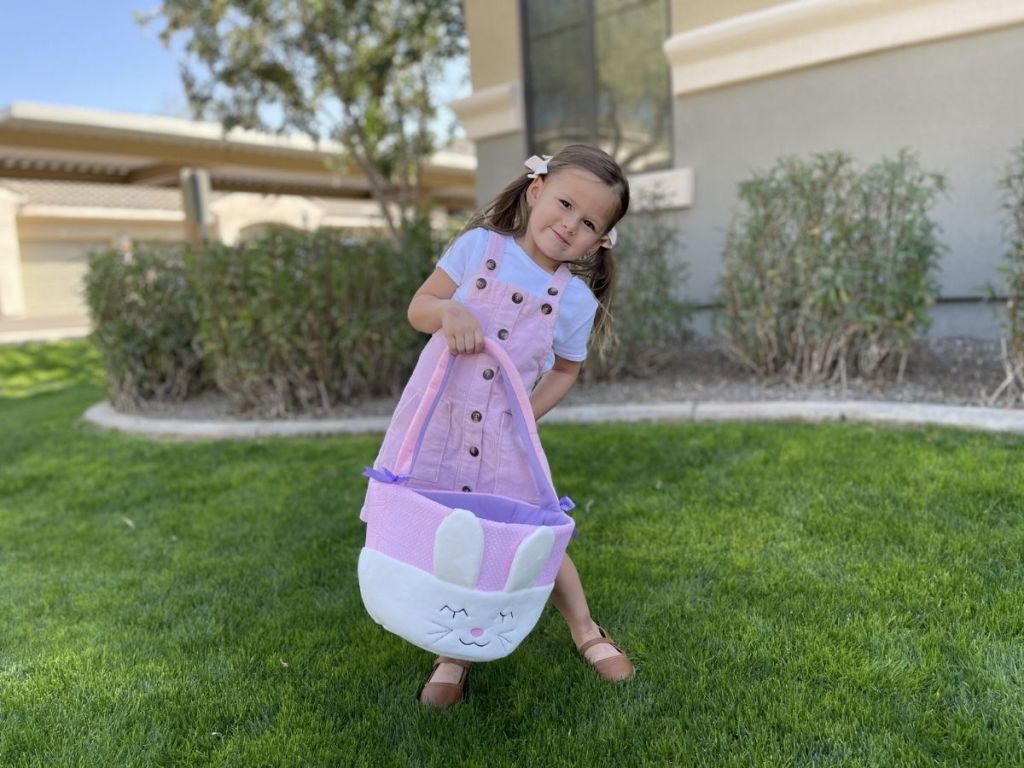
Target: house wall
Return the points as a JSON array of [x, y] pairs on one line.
[[501, 159], [48, 230], [755, 80], [952, 101], [495, 56], [494, 117], [53, 273], [55, 255]]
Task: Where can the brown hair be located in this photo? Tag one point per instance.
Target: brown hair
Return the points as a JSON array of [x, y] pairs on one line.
[[508, 213]]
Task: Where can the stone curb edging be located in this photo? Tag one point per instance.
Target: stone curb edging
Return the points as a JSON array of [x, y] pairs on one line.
[[879, 412], [876, 412], [104, 415], [42, 335]]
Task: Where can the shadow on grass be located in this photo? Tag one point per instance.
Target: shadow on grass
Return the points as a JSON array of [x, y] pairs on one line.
[[33, 369]]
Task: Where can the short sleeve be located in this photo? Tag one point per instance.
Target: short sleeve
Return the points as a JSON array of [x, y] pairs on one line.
[[462, 259], [575, 322]]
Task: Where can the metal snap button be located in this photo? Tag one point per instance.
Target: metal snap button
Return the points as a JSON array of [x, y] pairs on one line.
[[552, 291], [503, 334], [491, 264], [481, 283], [488, 373], [546, 309], [474, 451], [467, 489], [517, 298], [476, 416]]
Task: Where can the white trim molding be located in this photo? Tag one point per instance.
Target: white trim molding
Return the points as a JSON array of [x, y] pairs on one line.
[[805, 33], [662, 190], [491, 112]]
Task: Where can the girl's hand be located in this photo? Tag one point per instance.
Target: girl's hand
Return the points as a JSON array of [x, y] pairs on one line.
[[461, 329], [433, 309]]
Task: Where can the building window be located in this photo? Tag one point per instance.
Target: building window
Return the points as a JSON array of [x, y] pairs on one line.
[[596, 74]]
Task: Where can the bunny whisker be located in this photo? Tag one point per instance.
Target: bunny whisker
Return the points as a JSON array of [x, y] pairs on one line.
[[442, 633]]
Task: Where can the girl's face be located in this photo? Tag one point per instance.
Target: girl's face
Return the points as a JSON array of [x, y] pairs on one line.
[[569, 213]]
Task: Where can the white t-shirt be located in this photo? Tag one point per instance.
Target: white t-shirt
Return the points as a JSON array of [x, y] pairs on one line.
[[576, 310]]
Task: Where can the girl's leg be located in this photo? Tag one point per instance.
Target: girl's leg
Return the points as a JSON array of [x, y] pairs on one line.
[[567, 596]]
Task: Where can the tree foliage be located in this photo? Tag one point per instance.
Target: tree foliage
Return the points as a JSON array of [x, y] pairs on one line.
[[358, 72]]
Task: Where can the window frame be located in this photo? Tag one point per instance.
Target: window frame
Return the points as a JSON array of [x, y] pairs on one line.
[[589, 20]]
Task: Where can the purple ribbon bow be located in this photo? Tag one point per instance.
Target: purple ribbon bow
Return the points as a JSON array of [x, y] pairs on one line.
[[384, 475]]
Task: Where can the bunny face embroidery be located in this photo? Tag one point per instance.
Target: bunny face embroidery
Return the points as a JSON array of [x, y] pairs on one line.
[[443, 612], [474, 631]]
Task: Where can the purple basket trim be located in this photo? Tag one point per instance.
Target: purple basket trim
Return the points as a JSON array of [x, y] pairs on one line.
[[499, 509]]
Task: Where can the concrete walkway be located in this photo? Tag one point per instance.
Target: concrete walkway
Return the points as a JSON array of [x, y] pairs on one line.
[[19, 330], [967, 417]]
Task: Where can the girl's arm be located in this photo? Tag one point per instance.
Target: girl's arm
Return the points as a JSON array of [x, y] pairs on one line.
[[554, 385], [433, 308]]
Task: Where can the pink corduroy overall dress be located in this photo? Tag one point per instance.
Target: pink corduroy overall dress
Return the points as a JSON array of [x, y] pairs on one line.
[[471, 443]]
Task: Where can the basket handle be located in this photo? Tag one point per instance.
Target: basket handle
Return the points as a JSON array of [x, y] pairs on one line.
[[526, 426]]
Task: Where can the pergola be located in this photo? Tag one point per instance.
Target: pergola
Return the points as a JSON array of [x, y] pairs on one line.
[[73, 180], [69, 144]]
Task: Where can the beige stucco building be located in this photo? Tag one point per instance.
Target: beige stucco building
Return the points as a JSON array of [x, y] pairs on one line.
[[748, 81], [694, 94], [74, 180]]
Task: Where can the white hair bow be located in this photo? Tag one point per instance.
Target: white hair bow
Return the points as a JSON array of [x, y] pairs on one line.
[[538, 166]]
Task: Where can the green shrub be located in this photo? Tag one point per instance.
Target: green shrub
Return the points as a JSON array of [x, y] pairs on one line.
[[830, 271], [651, 322], [145, 316], [1012, 269], [297, 322]]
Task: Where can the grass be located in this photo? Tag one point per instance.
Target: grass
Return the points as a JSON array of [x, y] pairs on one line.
[[792, 595]]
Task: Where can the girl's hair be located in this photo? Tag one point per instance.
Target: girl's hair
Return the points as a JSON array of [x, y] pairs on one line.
[[508, 213]]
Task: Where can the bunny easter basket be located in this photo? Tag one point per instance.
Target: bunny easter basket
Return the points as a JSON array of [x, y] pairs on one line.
[[461, 574]]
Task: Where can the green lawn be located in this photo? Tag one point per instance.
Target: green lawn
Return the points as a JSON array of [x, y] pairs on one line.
[[791, 594]]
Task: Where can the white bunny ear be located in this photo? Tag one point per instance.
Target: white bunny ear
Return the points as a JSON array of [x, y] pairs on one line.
[[529, 559], [459, 548]]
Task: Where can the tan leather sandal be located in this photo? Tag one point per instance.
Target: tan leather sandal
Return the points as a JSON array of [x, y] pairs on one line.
[[445, 695], [615, 669]]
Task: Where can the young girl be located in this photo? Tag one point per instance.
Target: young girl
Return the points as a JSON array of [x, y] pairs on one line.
[[507, 276]]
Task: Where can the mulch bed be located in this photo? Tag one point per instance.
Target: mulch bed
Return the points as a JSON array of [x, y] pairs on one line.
[[953, 371]]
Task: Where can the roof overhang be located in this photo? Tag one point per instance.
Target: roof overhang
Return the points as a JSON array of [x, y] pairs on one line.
[[41, 141]]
